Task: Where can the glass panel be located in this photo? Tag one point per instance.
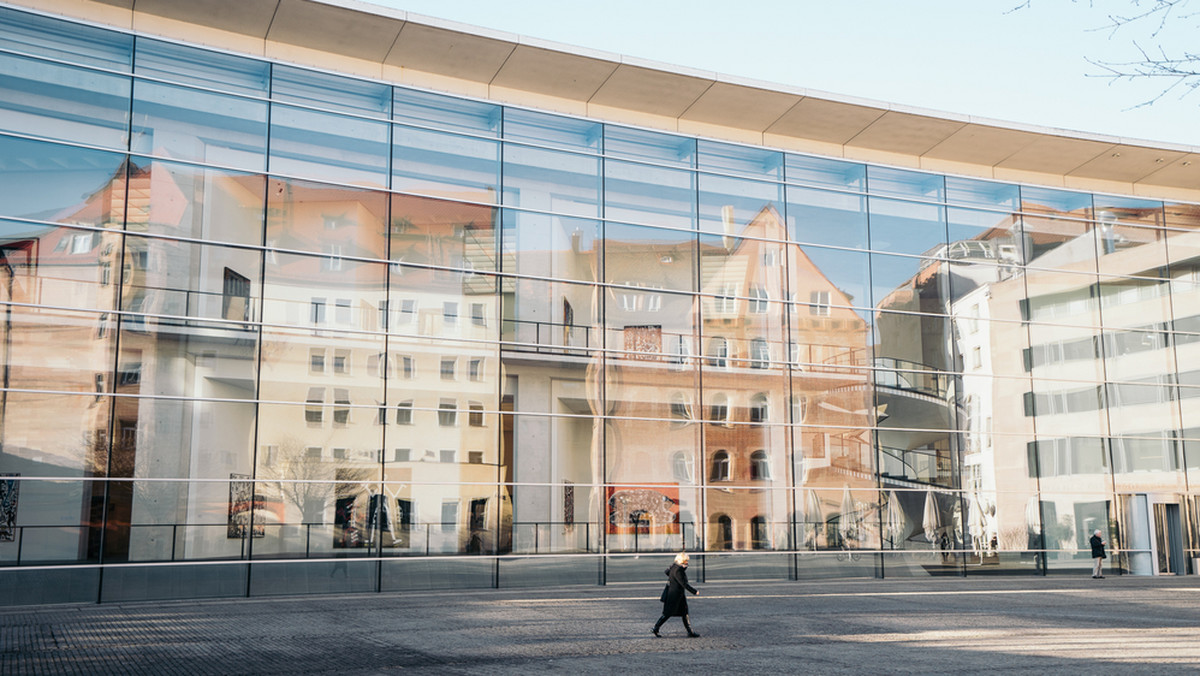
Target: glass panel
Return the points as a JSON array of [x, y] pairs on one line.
[[1132, 251], [1137, 303], [443, 233], [546, 180], [650, 258], [73, 442], [1181, 215], [184, 279], [188, 124], [734, 159], [908, 283], [914, 342], [820, 217], [902, 183], [443, 302], [993, 404], [57, 532], [329, 147], [323, 90], [1070, 408], [544, 245], [1062, 297], [648, 145], [983, 236], [1065, 352], [174, 438], [1055, 220], [335, 221], [85, 365], [303, 291], [647, 194], [200, 67], [63, 40], [182, 200], [445, 112], [551, 130], [906, 227], [447, 165], [826, 278], [539, 314], [825, 172], [49, 182], [649, 325], [1130, 210], [733, 206], [976, 193], [58, 266], [65, 103]]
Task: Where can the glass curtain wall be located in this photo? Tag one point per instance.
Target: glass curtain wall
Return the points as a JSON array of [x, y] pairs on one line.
[[269, 330]]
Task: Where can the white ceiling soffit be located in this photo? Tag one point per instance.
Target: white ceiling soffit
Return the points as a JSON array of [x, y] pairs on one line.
[[395, 38]]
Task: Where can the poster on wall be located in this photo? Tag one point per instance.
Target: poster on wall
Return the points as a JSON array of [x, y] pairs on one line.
[[9, 488], [241, 502], [644, 509]]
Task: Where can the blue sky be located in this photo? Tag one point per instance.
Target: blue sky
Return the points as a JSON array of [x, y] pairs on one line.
[[975, 57]]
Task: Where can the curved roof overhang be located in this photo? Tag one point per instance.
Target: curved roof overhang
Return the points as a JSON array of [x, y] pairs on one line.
[[378, 42]]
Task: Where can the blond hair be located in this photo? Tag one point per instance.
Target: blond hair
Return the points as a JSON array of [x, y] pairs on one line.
[[682, 558]]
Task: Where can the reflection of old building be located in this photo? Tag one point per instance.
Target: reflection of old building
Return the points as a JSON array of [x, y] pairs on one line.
[[269, 329]]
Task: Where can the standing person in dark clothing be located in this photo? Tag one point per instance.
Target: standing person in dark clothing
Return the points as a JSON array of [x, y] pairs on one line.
[[1098, 554], [674, 600]]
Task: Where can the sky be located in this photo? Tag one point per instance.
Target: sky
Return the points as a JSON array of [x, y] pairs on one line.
[[975, 57]]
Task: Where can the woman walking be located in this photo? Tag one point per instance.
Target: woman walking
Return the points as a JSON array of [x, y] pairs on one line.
[[674, 600]]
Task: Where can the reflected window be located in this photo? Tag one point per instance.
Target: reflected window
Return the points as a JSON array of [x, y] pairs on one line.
[[719, 411], [818, 303], [449, 365], [404, 413], [718, 352], [760, 466], [724, 534], [758, 532], [478, 318], [760, 354], [341, 362], [449, 313], [447, 455], [681, 408], [758, 299], [681, 466], [341, 406], [475, 417], [314, 413], [799, 408], [316, 360], [759, 408], [405, 367], [448, 413], [401, 455], [475, 370], [720, 467]]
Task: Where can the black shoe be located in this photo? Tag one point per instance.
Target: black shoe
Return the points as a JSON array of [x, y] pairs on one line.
[[1095, 577], [693, 635], [1101, 577], [655, 631]]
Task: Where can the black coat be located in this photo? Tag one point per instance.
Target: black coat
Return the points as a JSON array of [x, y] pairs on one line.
[[676, 603], [1097, 547]]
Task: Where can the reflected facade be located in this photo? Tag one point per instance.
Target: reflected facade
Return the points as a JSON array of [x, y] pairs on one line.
[[270, 330]]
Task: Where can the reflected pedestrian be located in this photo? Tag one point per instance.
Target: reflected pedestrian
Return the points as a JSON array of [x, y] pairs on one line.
[[1098, 554], [673, 598]]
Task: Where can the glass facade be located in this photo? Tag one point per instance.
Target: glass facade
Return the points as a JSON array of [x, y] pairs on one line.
[[271, 331]]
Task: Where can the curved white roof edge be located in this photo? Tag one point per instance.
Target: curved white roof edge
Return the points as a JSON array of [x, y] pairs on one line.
[[379, 42]]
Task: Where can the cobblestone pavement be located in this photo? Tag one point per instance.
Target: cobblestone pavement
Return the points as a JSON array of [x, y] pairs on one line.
[[1013, 625]]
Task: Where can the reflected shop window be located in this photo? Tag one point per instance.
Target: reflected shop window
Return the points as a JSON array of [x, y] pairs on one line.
[[271, 329]]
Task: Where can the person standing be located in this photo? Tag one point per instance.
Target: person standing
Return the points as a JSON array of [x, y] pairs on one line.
[[1098, 554], [673, 598]]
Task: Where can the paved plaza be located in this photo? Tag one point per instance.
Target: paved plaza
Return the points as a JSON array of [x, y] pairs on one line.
[[1017, 625]]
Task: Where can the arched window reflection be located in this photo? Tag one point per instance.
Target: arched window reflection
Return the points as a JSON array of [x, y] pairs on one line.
[[719, 411], [718, 352], [720, 467], [723, 538], [760, 354], [758, 532], [681, 466], [759, 408], [760, 467]]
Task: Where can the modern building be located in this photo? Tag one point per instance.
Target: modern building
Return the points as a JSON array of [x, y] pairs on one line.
[[311, 296]]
